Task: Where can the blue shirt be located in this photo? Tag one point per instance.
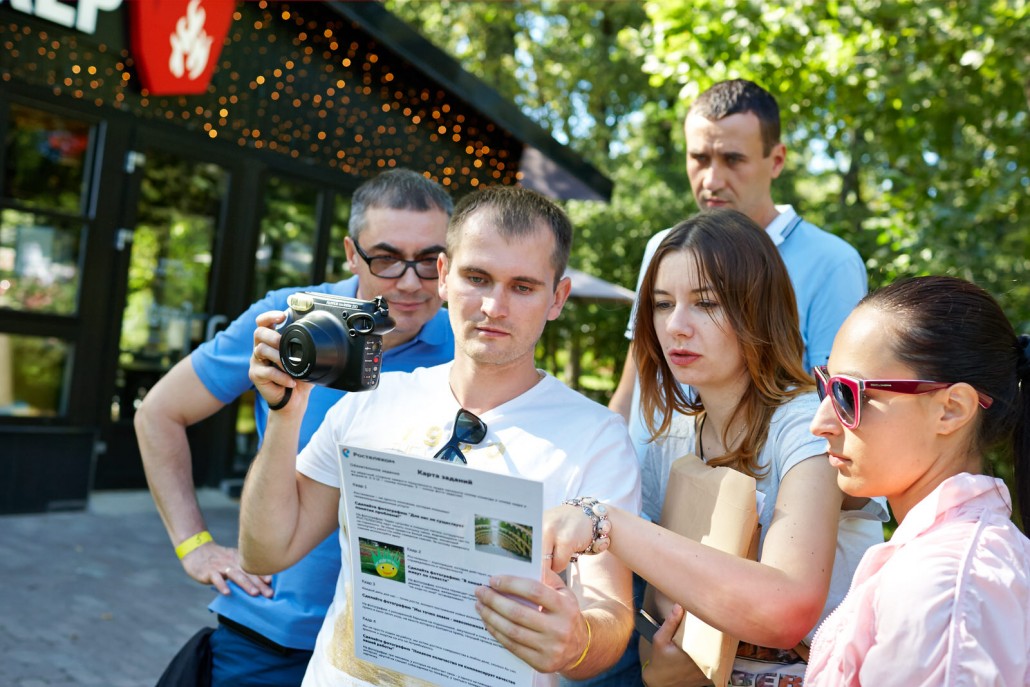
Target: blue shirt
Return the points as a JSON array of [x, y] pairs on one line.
[[303, 592], [828, 276]]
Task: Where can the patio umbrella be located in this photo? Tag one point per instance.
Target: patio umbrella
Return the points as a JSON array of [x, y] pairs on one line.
[[590, 288]]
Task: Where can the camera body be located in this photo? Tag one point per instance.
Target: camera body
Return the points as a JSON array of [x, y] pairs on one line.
[[334, 341]]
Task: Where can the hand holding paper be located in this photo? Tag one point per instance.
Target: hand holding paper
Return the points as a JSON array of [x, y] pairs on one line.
[[717, 507], [540, 622]]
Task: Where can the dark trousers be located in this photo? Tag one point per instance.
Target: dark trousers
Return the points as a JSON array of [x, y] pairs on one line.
[[240, 661]]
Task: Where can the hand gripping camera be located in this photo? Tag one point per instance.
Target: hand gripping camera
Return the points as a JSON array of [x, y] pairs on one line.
[[334, 341]]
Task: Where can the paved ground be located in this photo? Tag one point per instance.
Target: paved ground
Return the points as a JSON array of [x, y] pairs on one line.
[[98, 597]]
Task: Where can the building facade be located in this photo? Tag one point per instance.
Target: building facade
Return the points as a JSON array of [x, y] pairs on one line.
[[136, 220]]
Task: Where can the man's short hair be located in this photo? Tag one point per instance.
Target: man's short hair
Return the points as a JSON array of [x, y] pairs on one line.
[[740, 96], [397, 189], [516, 212]]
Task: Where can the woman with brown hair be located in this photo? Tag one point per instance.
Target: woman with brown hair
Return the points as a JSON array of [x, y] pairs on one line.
[[719, 353]]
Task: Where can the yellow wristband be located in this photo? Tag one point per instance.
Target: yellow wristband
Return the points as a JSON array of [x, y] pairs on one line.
[[191, 544], [585, 649]]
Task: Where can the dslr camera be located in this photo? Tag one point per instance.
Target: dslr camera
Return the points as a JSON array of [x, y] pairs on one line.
[[334, 341]]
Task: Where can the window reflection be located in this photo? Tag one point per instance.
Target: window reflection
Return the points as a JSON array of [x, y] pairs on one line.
[[45, 158], [181, 202], [286, 247], [39, 257], [336, 267], [32, 375]]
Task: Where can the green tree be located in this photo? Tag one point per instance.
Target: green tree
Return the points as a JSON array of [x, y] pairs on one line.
[[911, 119], [907, 123]]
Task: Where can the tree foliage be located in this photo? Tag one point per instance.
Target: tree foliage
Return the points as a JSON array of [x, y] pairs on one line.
[[906, 123], [911, 119]]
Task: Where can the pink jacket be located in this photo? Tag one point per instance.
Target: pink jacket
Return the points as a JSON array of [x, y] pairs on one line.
[[945, 602]]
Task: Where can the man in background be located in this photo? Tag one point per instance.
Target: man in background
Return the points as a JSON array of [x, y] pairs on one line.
[[734, 153]]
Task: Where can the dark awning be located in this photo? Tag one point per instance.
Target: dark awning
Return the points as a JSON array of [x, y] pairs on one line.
[[547, 165]]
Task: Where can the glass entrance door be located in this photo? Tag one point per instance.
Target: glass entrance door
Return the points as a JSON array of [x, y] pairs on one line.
[[175, 206], [177, 216]]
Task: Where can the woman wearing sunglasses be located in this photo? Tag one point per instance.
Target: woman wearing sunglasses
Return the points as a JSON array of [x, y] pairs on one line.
[[717, 312], [926, 377]]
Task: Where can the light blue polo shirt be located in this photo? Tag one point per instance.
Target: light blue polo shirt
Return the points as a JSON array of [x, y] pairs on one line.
[[302, 593]]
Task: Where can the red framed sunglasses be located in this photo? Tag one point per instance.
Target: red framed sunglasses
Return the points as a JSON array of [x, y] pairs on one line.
[[846, 392]]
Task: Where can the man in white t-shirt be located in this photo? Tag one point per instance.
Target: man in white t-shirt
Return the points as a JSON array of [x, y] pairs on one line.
[[501, 276]]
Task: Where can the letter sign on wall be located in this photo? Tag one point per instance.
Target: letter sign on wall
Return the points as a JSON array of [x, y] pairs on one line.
[[176, 43]]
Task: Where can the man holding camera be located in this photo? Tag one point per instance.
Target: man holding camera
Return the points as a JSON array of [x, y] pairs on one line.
[[501, 275], [267, 626]]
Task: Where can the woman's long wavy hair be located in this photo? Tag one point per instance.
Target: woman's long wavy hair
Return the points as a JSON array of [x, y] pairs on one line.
[[746, 274]]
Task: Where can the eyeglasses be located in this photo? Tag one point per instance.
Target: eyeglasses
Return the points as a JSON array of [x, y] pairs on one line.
[[468, 429], [389, 267], [846, 392]]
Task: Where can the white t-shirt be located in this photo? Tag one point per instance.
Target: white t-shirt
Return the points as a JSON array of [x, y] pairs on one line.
[[789, 442], [550, 433]]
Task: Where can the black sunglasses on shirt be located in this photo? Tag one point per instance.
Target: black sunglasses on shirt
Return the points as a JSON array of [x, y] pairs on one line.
[[468, 429]]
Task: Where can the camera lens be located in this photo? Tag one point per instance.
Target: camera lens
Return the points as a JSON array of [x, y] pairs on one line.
[[314, 348]]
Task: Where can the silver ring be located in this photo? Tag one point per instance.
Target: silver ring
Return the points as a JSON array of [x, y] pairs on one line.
[[548, 556], [225, 573]]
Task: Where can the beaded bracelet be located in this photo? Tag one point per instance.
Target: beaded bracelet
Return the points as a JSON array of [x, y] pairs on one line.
[[602, 526]]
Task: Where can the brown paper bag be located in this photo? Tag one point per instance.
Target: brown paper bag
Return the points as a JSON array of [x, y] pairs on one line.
[[715, 506]]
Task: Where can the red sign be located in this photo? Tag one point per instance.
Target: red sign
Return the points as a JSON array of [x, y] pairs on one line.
[[176, 43]]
